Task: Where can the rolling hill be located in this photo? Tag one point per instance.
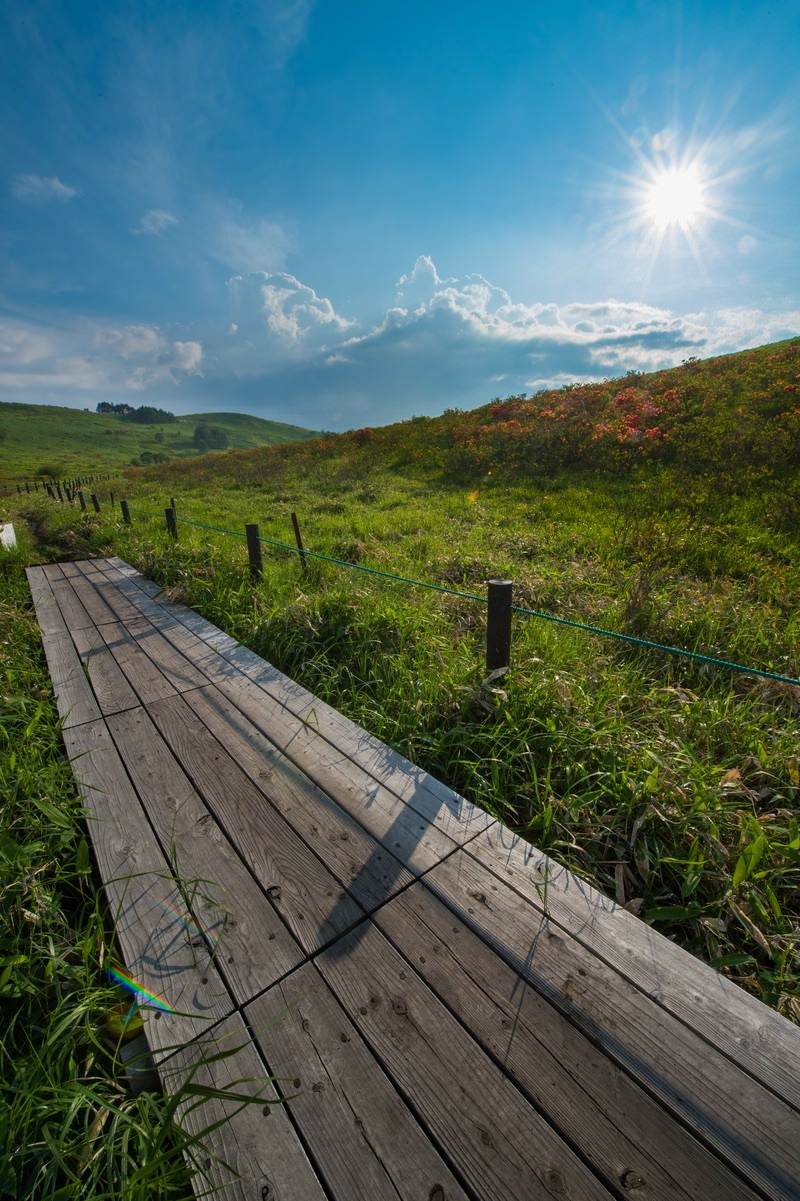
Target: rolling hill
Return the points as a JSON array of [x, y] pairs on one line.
[[73, 441]]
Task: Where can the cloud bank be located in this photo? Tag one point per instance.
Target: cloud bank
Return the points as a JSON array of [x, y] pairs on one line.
[[41, 187], [289, 354]]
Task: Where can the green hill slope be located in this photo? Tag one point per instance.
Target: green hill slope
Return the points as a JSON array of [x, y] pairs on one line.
[[74, 441]]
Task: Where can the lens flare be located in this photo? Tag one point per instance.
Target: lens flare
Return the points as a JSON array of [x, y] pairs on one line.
[[143, 995]]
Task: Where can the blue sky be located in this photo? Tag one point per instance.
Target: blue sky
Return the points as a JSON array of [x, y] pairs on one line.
[[340, 213]]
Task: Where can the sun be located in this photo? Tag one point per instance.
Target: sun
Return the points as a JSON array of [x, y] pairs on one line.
[[674, 196]]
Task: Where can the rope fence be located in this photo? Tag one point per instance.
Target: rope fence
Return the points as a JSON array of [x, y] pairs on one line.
[[498, 598]]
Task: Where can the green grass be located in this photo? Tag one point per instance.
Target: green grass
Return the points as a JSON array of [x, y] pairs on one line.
[[68, 442]]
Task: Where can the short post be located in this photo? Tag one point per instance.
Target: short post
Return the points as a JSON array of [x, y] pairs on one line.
[[111, 498], [18, 489], [50, 491], [254, 551], [172, 522], [299, 540], [95, 502], [82, 500], [60, 496], [173, 503], [126, 513], [498, 625], [27, 486]]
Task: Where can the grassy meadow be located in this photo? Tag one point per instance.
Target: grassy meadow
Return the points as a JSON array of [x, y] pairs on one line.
[[672, 784]]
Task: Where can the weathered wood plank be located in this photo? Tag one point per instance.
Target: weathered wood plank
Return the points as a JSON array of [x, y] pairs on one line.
[[114, 597], [367, 1144], [74, 697], [367, 870], [150, 587], [71, 607], [176, 668], [91, 599], [757, 1134], [307, 896], [755, 1037], [252, 947], [404, 832], [140, 671], [155, 928], [504, 1149], [254, 1153], [460, 819], [630, 1140], [111, 690]]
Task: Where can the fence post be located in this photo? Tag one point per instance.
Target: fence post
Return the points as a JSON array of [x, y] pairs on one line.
[[299, 540], [58, 490], [498, 625], [172, 522], [111, 498], [126, 513], [50, 492], [82, 500], [173, 505], [95, 502], [254, 551]]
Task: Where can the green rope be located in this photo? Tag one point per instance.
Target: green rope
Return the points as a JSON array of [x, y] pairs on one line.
[[645, 643]]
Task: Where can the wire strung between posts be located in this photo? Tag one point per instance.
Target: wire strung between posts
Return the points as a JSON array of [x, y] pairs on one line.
[[645, 643]]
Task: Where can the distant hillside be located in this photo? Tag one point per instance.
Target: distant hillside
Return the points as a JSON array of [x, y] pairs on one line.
[[734, 418], [74, 441]]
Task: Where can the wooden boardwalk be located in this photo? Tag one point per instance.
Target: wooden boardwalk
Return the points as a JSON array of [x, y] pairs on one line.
[[446, 1013]]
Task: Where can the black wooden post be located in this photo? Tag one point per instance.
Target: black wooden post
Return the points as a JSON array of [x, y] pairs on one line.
[[50, 492], [27, 486], [498, 625], [18, 489], [254, 551], [299, 540], [95, 502], [172, 521], [58, 490], [111, 498], [126, 513], [82, 500], [173, 503]]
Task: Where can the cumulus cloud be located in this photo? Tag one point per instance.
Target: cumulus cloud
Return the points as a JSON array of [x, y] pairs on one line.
[[41, 187], [274, 317], [55, 363], [154, 222]]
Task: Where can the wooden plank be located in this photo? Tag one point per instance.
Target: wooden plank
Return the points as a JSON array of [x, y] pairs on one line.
[[368, 871], [74, 697], [155, 928], [111, 690], [140, 671], [416, 838], [626, 1137], [118, 603], [176, 668], [504, 1149], [91, 599], [367, 1144], [71, 607], [252, 947], [69, 570], [460, 819], [305, 893], [757, 1134], [247, 1148], [755, 1037]]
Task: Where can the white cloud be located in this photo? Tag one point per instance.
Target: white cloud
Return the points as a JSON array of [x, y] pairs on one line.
[[247, 246], [40, 187], [154, 222], [278, 317]]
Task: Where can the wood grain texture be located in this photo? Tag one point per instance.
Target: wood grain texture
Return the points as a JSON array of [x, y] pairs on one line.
[[90, 598], [505, 1150], [305, 893], [111, 689], [368, 1145], [74, 696], [250, 944], [254, 1153], [755, 1037], [631, 1141], [155, 930], [758, 1135], [176, 668], [147, 681], [368, 871]]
